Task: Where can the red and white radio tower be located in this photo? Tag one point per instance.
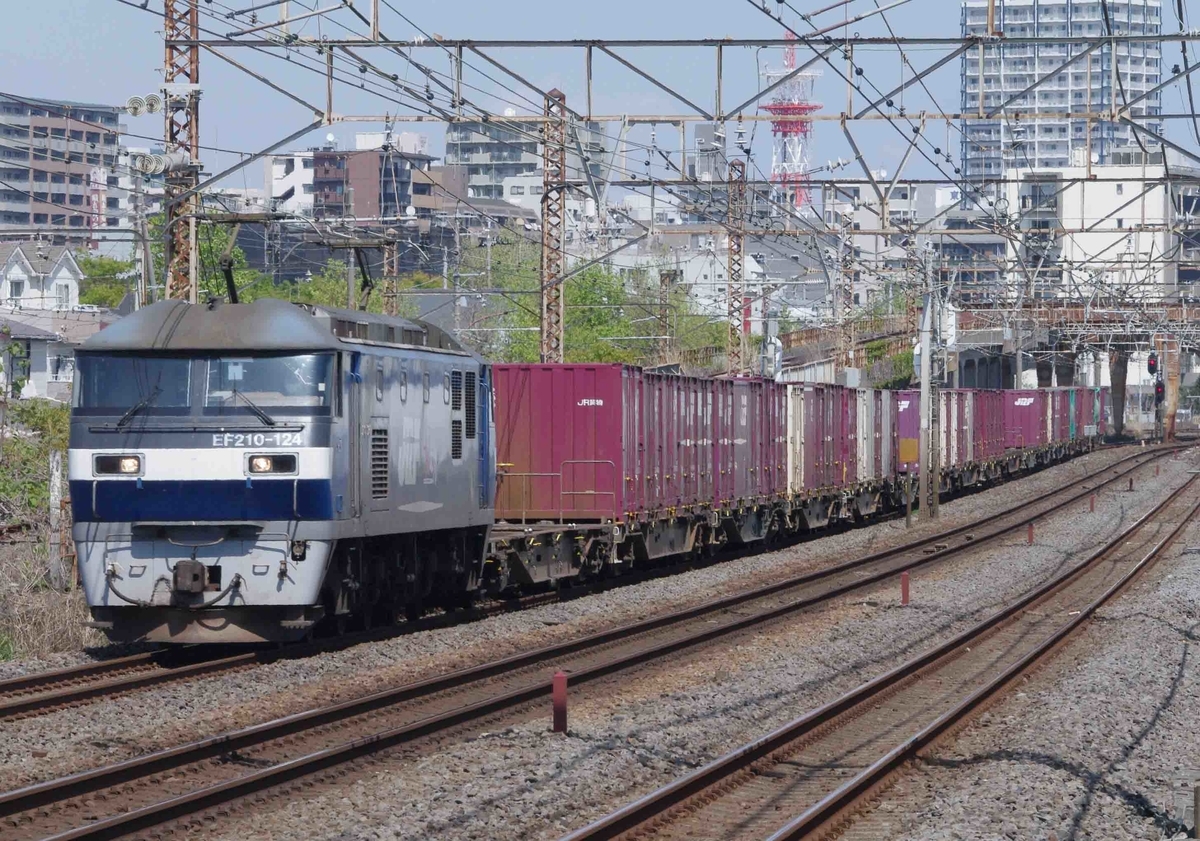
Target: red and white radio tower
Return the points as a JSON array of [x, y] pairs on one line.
[[792, 105]]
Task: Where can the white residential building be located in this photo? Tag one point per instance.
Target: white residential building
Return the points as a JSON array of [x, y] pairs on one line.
[[38, 276], [289, 182], [1128, 222], [37, 356], [1090, 84]]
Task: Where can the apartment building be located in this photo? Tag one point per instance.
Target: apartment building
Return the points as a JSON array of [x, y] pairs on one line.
[[59, 169], [494, 151], [370, 184], [1117, 72], [1125, 231]]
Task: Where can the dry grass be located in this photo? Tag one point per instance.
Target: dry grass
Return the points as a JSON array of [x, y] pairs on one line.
[[36, 621]]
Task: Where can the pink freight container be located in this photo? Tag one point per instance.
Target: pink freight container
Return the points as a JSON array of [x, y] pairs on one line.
[[1026, 418], [570, 443], [610, 442], [908, 431], [1060, 400], [989, 425], [821, 447], [749, 443]]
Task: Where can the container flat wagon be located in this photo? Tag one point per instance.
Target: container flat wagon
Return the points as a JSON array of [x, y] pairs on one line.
[[608, 466]]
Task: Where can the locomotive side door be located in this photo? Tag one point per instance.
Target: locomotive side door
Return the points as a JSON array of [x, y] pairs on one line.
[[354, 415]]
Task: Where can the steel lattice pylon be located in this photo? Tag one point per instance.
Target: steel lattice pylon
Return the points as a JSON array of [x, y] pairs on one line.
[[181, 22], [737, 284], [554, 176]]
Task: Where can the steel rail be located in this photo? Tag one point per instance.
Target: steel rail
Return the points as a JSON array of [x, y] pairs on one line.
[[18, 697], [710, 778], [40, 795]]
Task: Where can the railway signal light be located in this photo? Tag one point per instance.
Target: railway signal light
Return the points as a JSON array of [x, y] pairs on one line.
[[1160, 392], [1152, 363]]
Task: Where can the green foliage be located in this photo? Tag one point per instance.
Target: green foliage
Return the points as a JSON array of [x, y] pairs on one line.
[[7, 650], [105, 280], [329, 288], [36, 428], [49, 420], [901, 365], [605, 312], [213, 239], [876, 350]]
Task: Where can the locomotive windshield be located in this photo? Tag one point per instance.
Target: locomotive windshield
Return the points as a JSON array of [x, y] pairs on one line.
[[109, 384], [114, 384], [269, 381]]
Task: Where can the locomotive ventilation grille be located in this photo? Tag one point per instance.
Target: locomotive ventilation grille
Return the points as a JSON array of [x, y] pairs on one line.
[[469, 413], [379, 463], [456, 391], [456, 439]]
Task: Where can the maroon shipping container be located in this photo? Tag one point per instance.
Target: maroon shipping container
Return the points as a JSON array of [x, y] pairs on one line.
[[1060, 399], [1026, 414], [607, 442], [820, 432], [989, 425], [908, 430], [749, 443], [821, 447], [569, 442]]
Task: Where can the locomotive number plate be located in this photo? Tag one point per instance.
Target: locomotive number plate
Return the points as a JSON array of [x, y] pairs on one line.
[[257, 439]]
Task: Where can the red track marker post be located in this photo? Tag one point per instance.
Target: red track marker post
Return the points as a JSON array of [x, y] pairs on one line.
[[904, 589], [1092, 503], [1131, 484], [1156, 468], [558, 697], [1029, 536]]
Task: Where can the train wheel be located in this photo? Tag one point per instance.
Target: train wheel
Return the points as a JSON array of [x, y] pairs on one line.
[[413, 610]]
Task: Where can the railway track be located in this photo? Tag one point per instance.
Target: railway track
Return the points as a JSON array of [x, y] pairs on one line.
[[179, 782], [43, 692], [805, 779]]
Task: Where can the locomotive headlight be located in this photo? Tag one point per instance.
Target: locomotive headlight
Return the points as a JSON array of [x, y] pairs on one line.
[[117, 465], [275, 463]]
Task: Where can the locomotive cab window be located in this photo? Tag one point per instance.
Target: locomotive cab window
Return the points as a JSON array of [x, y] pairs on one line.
[[301, 383], [116, 384]]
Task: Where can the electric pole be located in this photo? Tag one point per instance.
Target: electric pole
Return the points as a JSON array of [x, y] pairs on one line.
[[554, 196], [181, 77], [737, 283], [923, 441]]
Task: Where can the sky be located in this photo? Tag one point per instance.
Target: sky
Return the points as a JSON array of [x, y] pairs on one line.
[[104, 51]]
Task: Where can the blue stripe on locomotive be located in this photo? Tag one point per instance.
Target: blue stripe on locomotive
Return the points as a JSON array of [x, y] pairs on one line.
[[203, 500]]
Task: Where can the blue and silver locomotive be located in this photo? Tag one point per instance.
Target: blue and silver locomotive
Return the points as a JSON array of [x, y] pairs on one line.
[[241, 472]]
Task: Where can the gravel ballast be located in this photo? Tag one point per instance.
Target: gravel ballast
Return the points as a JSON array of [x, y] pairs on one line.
[[62, 742], [1101, 743], [628, 738]]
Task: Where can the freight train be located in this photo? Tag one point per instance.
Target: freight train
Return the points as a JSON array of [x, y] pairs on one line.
[[244, 472]]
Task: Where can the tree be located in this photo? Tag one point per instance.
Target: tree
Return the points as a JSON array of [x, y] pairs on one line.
[[212, 240], [106, 280], [328, 288]]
